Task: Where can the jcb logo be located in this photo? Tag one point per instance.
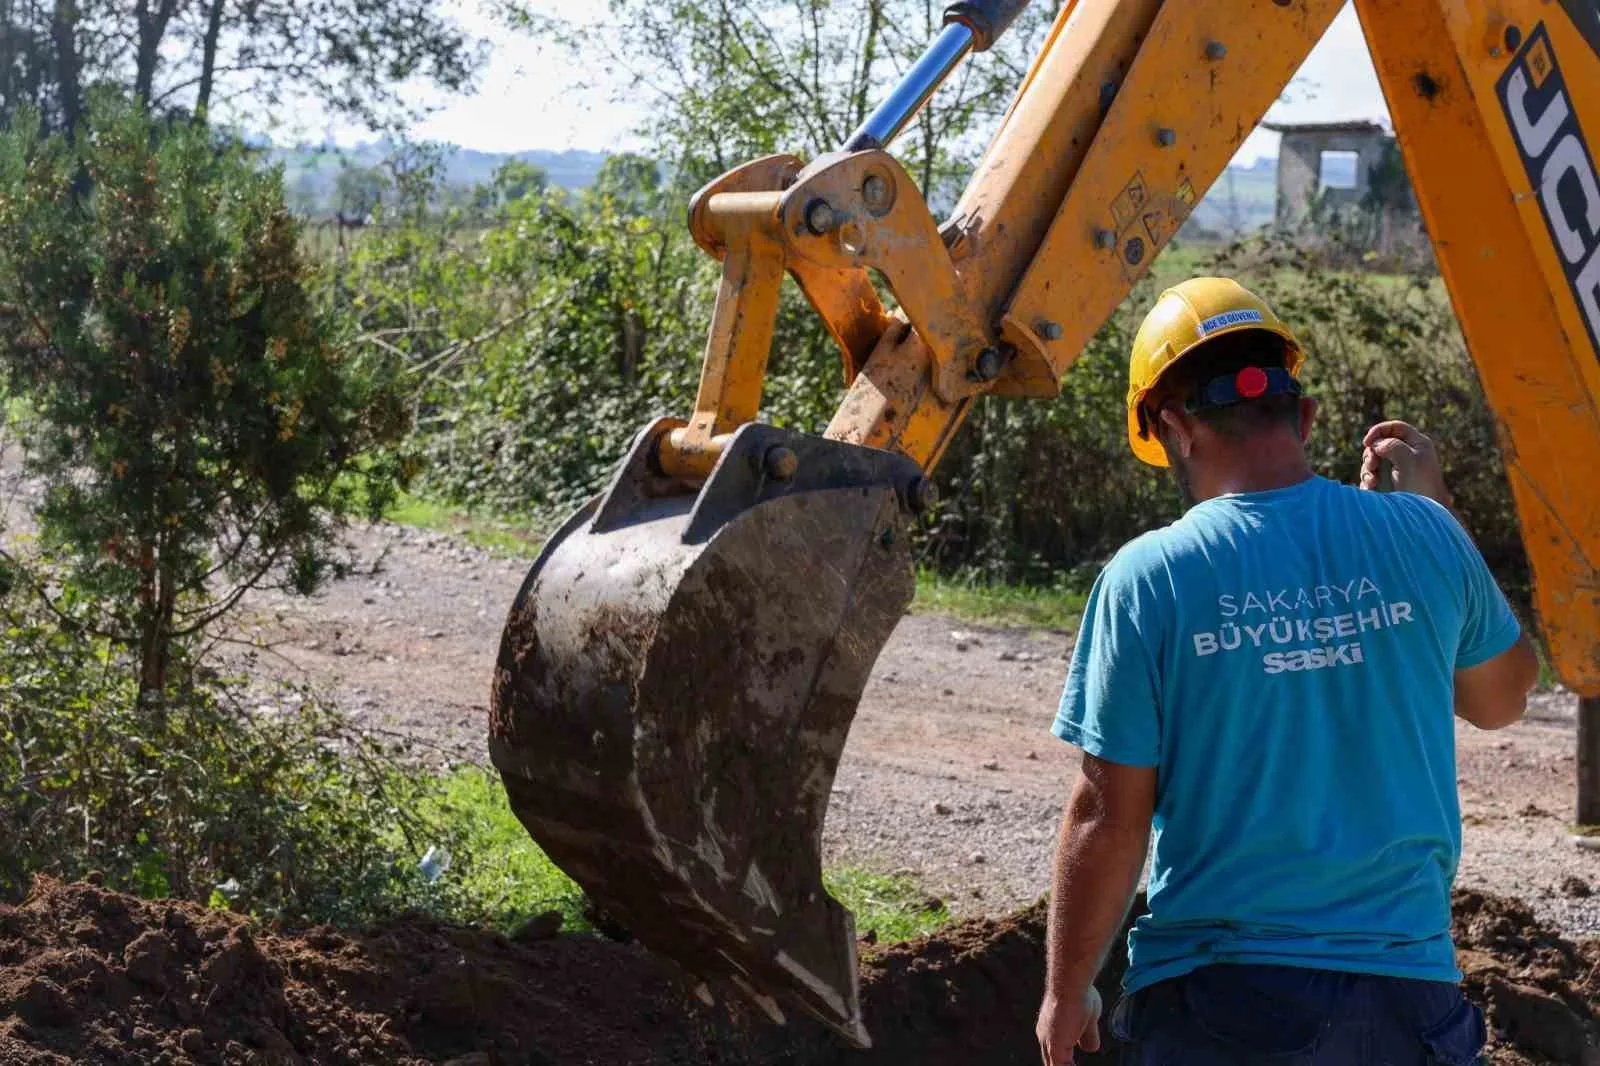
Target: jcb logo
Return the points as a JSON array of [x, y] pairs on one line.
[[1559, 166]]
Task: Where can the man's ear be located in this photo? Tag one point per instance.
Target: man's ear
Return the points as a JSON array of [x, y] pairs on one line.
[[1178, 431], [1308, 416]]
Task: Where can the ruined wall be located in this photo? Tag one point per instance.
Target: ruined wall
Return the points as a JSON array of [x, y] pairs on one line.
[[1300, 168]]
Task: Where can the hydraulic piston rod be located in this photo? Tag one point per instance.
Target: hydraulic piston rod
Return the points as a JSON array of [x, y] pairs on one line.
[[970, 26], [920, 82]]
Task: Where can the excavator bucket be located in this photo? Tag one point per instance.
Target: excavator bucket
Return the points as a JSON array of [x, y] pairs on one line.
[[675, 683]]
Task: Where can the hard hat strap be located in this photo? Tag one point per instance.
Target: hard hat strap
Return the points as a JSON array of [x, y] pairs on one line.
[[1248, 383]]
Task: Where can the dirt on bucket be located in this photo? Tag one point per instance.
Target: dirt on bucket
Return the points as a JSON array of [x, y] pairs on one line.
[[91, 976]]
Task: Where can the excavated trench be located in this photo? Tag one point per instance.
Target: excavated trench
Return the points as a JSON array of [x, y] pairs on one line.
[[90, 976]]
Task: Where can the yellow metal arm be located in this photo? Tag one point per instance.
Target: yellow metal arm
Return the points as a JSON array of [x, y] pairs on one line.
[[1129, 114], [727, 595]]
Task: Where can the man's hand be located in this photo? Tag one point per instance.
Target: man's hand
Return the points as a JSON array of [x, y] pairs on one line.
[[1410, 454], [1068, 1023]]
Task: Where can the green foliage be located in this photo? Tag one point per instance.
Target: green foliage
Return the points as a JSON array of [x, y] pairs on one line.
[[282, 811], [358, 191], [740, 79], [629, 183], [546, 340], [202, 426], [498, 876], [540, 343], [886, 906], [263, 800], [1035, 607], [1389, 347], [182, 56], [512, 180], [1034, 491]]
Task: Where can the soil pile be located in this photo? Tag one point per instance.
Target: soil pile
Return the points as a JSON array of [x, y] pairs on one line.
[[1541, 993], [90, 976]]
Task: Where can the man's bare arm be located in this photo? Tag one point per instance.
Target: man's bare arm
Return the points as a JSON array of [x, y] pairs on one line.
[[1494, 694], [1101, 851]]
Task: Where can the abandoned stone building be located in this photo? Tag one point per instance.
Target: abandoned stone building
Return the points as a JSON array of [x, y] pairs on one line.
[[1334, 160], [1331, 168]]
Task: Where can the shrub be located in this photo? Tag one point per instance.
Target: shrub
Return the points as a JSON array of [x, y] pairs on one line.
[[1388, 346], [201, 424], [285, 807], [1035, 489], [541, 342], [592, 318]]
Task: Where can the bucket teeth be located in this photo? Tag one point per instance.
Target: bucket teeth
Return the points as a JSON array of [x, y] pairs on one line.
[[676, 681]]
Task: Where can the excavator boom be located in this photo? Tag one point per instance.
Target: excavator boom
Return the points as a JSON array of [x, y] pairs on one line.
[[679, 672]]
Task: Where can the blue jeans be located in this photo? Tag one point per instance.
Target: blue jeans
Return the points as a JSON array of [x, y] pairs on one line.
[[1229, 1015]]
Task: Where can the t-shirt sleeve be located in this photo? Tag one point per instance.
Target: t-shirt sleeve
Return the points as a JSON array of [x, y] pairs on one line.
[[1488, 626], [1111, 705]]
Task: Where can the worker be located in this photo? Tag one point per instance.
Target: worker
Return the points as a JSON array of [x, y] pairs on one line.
[[1262, 692]]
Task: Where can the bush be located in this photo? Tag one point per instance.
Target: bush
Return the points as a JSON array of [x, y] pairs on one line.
[[1037, 489], [540, 340], [286, 810], [201, 424], [608, 302], [1388, 346]]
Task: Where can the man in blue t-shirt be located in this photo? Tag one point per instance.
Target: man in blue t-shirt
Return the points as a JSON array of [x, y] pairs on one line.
[[1264, 692]]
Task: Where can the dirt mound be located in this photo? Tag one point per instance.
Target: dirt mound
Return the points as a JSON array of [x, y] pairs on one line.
[[89, 976], [1541, 993]]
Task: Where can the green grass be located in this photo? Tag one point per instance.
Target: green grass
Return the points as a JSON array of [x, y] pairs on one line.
[[503, 878], [1005, 605], [1548, 678], [520, 540], [891, 908], [1180, 260]]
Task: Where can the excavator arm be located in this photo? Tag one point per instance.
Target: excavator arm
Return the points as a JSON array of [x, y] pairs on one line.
[[679, 671]]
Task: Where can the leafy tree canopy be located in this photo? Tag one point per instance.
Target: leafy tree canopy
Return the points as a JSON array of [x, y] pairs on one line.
[[202, 424], [731, 80], [192, 55]]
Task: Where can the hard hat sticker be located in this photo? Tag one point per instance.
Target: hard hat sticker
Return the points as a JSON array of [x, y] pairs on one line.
[[1229, 318]]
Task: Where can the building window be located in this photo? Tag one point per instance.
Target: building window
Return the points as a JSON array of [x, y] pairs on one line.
[[1339, 170]]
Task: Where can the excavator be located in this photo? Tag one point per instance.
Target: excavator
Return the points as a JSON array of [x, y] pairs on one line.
[[678, 673]]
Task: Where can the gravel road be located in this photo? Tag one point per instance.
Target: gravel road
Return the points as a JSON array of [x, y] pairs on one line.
[[950, 772]]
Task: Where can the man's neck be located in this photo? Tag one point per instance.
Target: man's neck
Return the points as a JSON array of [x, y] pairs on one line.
[[1261, 468]]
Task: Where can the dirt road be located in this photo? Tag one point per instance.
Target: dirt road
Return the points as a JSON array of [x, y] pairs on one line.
[[950, 772]]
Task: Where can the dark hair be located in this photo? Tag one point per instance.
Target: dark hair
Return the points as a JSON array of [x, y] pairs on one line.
[[1225, 355]]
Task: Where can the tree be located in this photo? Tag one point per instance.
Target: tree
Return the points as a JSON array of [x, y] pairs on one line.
[[202, 427], [358, 191], [188, 56], [730, 80], [516, 178], [630, 181]]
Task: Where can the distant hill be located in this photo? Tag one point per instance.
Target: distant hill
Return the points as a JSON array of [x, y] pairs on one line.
[[1244, 198], [309, 172]]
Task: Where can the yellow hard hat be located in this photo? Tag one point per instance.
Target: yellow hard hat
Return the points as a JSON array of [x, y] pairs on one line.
[[1186, 315]]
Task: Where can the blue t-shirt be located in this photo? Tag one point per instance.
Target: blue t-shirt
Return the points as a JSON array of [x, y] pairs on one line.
[[1285, 660]]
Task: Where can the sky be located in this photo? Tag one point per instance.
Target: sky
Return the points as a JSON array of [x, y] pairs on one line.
[[532, 96]]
